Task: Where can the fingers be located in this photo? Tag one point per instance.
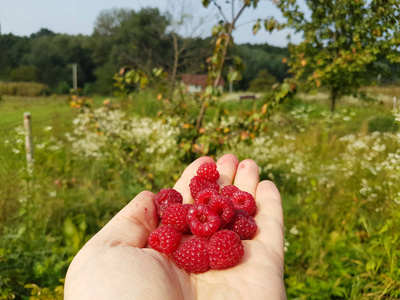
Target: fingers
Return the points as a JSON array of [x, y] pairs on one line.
[[227, 166], [269, 216], [133, 224], [182, 185], [247, 176]]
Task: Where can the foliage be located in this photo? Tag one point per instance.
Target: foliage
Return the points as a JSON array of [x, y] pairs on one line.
[[23, 88], [222, 32], [146, 39], [128, 80], [262, 82], [63, 88], [12, 51], [23, 73], [108, 154], [258, 57], [383, 124], [104, 78], [126, 37], [53, 55], [42, 224], [348, 250], [342, 40], [46, 293]]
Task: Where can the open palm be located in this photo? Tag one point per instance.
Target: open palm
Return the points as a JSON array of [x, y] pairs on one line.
[[116, 264]]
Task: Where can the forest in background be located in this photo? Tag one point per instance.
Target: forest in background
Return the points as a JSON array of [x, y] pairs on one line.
[[121, 38]]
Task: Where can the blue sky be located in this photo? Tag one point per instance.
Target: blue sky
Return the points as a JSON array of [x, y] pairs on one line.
[[23, 17]]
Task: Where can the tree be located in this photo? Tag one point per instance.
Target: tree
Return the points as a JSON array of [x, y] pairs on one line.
[[42, 32], [52, 56], [262, 82], [128, 38], [259, 57], [23, 73], [342, 40], [12, 51], [183, 27], [223, 34]]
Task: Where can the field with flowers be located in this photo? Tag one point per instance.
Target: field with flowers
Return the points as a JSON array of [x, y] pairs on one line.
[[339, 175]]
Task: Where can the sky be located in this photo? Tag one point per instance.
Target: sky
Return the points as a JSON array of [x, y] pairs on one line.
[[24, 17]]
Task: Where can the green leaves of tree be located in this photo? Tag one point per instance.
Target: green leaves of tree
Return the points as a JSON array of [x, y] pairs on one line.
[[343, 40]]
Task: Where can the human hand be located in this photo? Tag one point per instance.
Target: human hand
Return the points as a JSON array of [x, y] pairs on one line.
[[116, 264]]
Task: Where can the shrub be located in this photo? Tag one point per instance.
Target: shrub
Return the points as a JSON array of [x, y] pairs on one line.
[[63, 88], [88, 89], [382, 124], [262, 82], [23, 88]]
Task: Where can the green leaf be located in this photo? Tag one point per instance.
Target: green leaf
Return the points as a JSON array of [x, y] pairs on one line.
[[205, 2], [256, 27], [270, 24]]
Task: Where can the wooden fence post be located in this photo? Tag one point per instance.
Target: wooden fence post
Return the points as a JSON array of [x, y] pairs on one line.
[[28, 138]]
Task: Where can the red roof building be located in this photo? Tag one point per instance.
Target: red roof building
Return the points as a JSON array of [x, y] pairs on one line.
[[197, 83]]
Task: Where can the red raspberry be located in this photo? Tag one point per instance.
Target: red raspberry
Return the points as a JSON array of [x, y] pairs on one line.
[[225, 249], [166, 197], [224, 209], [165, 239], [187, 206], [208, 171], [192, 255], [204, 196], [175, 216], [198, 183], [203, 220], [243, 224], [212, 185], [229, 190], [244, 200]]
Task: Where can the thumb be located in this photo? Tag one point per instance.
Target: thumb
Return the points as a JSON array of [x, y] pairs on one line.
[[132, 225]]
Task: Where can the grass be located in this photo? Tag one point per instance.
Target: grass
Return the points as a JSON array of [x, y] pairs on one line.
[[338, 181], [12, 108]]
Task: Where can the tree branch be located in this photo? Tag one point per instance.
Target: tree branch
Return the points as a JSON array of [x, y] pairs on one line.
[[233, 9], [220, 11]]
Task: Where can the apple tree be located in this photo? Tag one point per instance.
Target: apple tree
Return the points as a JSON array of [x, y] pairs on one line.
[[342, 41]]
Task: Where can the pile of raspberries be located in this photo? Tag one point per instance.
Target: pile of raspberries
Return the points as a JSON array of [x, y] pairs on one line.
[[218, 221]]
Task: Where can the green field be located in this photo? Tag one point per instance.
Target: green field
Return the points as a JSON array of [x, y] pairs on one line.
[[339, 176]]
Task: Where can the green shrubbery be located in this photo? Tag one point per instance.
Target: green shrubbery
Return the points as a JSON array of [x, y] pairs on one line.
[[339, 184], [383, 124], [23, 89]]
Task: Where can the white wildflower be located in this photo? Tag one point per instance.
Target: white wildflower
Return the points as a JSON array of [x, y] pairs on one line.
[[294, 230], [53, 147]]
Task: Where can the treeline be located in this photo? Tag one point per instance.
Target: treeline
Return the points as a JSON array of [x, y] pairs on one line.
[[120, 38]]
